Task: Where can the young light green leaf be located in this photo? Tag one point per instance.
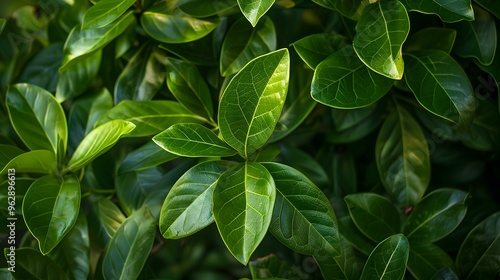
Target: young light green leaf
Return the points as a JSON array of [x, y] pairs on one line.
[[477, 38], [436, 215], [42, 70], [97, 142], [343, 81], [50, 209], [192, 140], [173, 26], [402, 157], [130, 246], [380, 34], [251, 104], [351, 9], [37, 161], [479, 255], [374, 215], [244, 42], [243, 202], [440, 85], [189, 87], [303, 218], [150, 117], [317, 47], [388, 260], [37, 118], [104, 12], [447, 10], [425, 260], [431, 38], [144, 157], [254, 10], [188, 206], [31, 264]]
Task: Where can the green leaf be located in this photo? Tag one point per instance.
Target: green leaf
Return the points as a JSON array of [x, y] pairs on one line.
[[243, 202], [31, 264], [271, 266], [303, 218], [142, 77], [98, 141], [317, 47], [189, 88], [173, 26], [304, 163], [374, 215], [344, 174], [21, 187], [479, 255], [388, 260], [431, 38], [254, 10], [37, 118], [37, 161], [380, 34], [150, 117], [447, 10], [477, 38], [350, 9], [42, 70], [203, 8], [84, 42], [50, 209], [436, 215], [130, 246], [77, 76], [356, 124], [342, 267], [402, 157], [192, 140], [4, 272], [445, 274], [244, 42], [144, 157], [483, 134], [2, 24], [425, 260], [188, 206], [104, 220], [7, 153], [248, 113], [345, 119], [104, 12], [492, 6], [343, 81], [356, 238]]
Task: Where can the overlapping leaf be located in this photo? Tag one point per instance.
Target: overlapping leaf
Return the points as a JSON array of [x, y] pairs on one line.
[[425, 260], [432, 38], [202, 8], [31, 264], [351, 9], [447, 10], [317, 47], [105, 12], [144, 157], [37, 161], [42, 70], [388, 260], [253, 10]]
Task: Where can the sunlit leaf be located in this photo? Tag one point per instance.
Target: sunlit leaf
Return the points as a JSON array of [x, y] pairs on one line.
[[105, 12], [253, 10]]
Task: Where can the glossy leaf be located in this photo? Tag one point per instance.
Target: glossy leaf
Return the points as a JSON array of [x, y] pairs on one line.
[[447, 10], [483, 134], [271, 266], [42, 70], [98, 141], [150, 117], [388, 260], [37, 118], [317, 47], [248, 114], [104, 12], [189, 87], [479, 255], [254, 10], [303, 218], [192, 140], [374, 215], [431, 38], [173, 26], [31, 264], [436, 215], [188, 206], [350, 9], [243, 202], [402, 157], [144, 157], [244, 42], [380, 34], [106, 218], [37, 161], [477, 38], [425, 260], [342, 267], [50, 209], [202, 8], [130, 246], [343, 81]]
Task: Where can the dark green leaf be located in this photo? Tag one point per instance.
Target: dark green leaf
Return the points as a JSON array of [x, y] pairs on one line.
[[342, 267], [7, 153], [303, 218], [30, 264], [315, 48], [403, 157], [270, 266], [104, 12], [243, 202], [42, 70], [304, 163], [492, 6], [345, 119], [374, 215], [447, 10], [431, 38], [350, 9], [388, 260], [435, 216], [426, 260], [130, 246], [106, 218], [188, 206], [248, 113], [380, 34], [21, 186], [358, 123], [203, 8], [38, 161], [150, 117], [343, 81], [144, 157], [344, 174], [479, 255], [445, 274], [358, 240], [50, 209], [484, 133], [192, 140], [253, 10], [98, 141], [244, 42]]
